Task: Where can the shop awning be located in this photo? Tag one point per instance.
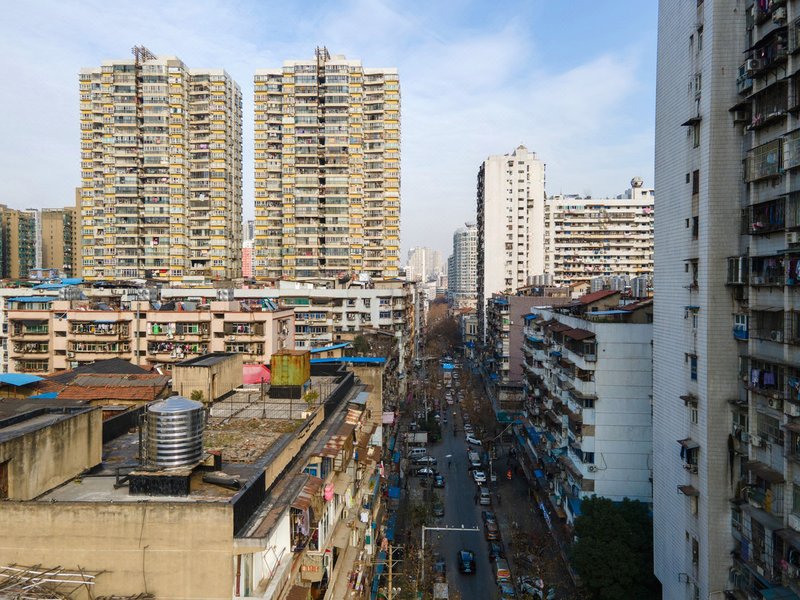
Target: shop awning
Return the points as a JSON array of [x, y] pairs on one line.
[[764, 471]]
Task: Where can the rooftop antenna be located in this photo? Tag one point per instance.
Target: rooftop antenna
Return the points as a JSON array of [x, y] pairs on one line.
[[141, 54]]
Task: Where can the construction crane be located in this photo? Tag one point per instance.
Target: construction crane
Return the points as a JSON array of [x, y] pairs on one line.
[[141, 54]]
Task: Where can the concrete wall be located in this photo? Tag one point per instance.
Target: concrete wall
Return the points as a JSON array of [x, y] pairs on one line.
[[214, 380], [43, 459], [174, 550], [292, 449]]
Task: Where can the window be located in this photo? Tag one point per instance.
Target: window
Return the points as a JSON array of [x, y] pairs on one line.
[[696, 135], [692, 358], [796, 499], [695, 182], [693, 412], [588, 458]]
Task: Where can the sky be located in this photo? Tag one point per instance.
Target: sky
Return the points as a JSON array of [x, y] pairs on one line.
[[574, 81]]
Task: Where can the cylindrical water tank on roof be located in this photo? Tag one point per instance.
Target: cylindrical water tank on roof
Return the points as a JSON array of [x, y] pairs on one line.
[[174, 432]]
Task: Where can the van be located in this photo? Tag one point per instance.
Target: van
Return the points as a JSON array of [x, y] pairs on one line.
[[416, 453], [485, 499], [501, 572]]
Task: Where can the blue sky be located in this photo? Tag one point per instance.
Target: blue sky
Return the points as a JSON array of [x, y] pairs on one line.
[[574, 81]]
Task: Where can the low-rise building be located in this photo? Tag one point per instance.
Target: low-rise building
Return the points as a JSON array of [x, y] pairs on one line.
[[264, 506], [588, 381]]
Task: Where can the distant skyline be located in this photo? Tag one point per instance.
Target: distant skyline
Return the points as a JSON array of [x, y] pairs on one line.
[[574, 82]]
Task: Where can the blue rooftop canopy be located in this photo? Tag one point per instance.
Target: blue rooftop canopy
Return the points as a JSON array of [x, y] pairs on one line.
[[18, 379], [45, 396], [530, 316], [333, 347], [356, 360], [33, 299]]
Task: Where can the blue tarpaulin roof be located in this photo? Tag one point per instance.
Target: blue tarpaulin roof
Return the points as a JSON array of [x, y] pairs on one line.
[[538, 474], [448, 366], [534, 339], [327, 348], [530, 316], [394, 492], [396, 458], [49, 286], [72, 280], [45, 396], [500, 300], [33, 299], [390, 523], [381, 559], [575, 506], [533, 434], [18, 379], [555, 353], [356, 360]]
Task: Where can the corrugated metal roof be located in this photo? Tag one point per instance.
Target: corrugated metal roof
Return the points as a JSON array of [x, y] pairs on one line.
[[337, 441], [310, 488], [579, 334], [595, 296]]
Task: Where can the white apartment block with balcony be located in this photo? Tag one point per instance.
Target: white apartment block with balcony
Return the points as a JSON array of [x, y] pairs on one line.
[[161, 171], [327, 169], [510, 208], [590, 380], [424, 264], [589, 237]]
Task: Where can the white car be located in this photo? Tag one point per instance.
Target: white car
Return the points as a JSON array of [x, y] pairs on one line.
[[479, 477], [473, 441]]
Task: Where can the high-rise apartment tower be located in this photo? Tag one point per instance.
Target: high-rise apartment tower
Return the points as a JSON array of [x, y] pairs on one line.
[[327, 169], [462, 267], [161, 167], [510, 224]]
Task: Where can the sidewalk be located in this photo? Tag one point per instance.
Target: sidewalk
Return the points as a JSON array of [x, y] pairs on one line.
[[530, 546]]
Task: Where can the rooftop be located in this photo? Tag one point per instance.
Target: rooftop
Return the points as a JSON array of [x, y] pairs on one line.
[[206, 360], [19, 416]]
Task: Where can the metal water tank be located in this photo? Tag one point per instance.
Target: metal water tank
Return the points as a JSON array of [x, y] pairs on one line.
[[174, 432]]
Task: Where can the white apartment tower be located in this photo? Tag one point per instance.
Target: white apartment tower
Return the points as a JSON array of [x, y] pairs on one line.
[[424, 264], [705, 532], [327, 169], [462, 270], [589, 237], [161, 170], [510, 224]]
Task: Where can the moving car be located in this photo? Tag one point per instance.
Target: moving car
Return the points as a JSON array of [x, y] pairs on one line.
[[466, 561], [438, 481], [479, 476], [425, 460], [426, 471], [473, 441]]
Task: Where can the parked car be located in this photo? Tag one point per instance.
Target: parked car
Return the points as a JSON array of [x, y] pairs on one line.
[[488, 515], [438, 508], [501, 571], [506, 590], [438, 481], [425, 460], [479, 476], [491, 531], [439, 568], [466, 561], [467, 426], [485, 499], [496, 550], [426, 471], [473, 441]]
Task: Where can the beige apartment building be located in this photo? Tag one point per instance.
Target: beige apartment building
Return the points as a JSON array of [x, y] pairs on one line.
[[161, 170], [57, 238], [46, 334], [17, 242], [327, 169]]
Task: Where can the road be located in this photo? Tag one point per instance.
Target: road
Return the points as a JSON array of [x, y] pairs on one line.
[[460, 510]]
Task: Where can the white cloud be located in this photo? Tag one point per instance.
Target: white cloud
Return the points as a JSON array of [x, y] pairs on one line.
[[470, 88]]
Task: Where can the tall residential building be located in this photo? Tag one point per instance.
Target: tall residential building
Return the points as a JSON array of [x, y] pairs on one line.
[[247, 258], [57, 238], [589, 237], [424, 264], [510, 224], [249, 232], [161, 167], [17, 242], [327, 169], [462, 267], [726, 180]]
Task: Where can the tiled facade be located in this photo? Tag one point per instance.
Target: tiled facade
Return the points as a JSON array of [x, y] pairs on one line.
[[327, 169], [161, 169]]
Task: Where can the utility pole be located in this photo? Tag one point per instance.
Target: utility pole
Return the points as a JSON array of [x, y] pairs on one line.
[[391, 564]]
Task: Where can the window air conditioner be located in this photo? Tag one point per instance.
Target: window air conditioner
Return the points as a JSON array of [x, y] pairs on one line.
[[776, 335], [779, 15], [793, 237], [756, 441]]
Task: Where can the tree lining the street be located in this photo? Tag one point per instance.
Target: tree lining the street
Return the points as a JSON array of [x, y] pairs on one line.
[[614, 551]]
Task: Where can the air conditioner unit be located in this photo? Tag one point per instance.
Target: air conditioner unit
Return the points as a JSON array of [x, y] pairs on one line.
[[741, 116], [792, 409], [752, 65], [779, 15], [592, 468], [776, 335], [231, 338], [70, 355], [793, 237], [756, 441]]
